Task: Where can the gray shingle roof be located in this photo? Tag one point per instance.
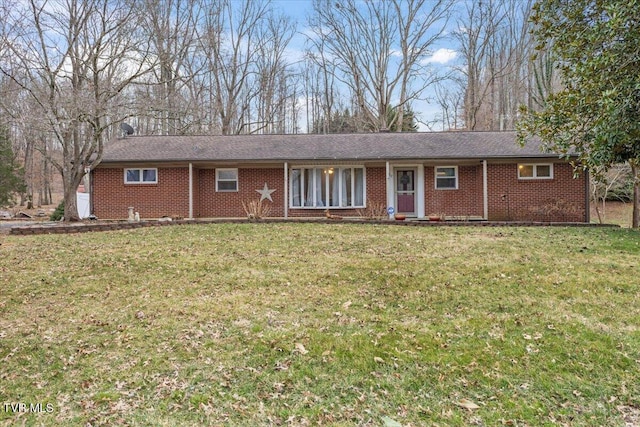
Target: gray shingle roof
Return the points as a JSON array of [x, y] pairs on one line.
[[313, 147]]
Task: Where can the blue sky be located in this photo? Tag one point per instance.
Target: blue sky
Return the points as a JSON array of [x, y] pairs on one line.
[[444, 54]]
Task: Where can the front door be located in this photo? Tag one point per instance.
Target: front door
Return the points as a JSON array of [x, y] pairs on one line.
[[406, 191]]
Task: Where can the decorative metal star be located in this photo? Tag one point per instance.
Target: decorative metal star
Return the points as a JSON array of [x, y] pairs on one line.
[[265, 193]]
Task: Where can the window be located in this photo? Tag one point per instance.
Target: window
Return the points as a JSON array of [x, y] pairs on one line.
[[447, 177], [535, 171], [141, 176], [226, 179], [322, 187]]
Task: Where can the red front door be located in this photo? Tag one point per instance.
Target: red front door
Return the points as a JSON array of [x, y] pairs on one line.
[[405, 191]]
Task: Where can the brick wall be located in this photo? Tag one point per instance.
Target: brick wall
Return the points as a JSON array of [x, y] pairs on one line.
[[559, 199], [212, 204], [169, 197], [466, 200]]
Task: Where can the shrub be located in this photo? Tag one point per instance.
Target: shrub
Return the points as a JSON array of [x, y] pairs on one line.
[[374, 211], [255, 209], [58, 214]]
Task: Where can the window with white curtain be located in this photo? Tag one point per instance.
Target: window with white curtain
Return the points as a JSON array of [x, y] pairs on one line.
[[324, 187], [141, 176]]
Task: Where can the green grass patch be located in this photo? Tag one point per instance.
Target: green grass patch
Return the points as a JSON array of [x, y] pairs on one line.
[[315, 324]]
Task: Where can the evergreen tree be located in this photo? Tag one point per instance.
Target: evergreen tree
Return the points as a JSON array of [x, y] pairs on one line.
[[409, 123], [596, 47], [345, 122]]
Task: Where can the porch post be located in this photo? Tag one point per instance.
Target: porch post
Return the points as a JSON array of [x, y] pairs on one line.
[[190, 190], [389, 187], [485, 191], [286, 189], [420, 211]]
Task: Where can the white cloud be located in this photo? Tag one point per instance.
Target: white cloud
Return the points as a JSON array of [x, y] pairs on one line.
[[442, 56]]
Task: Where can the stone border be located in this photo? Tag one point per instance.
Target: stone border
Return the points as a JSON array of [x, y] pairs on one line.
[[85, 227]]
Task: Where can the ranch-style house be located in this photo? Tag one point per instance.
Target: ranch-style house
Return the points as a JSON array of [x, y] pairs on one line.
[[458, 175]]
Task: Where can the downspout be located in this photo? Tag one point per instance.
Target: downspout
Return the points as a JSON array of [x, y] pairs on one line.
[[485, 192], [388, 183], [286, 190], [587, 196], [89, 187], [190, 190]]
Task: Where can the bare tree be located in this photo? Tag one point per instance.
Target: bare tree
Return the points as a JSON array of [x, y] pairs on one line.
[[496, 46], [320, 87], [231, 41], [171, 26], [72, 58], [449, 96], [360, 40], [377, 49], [421, 24], [272, 73]]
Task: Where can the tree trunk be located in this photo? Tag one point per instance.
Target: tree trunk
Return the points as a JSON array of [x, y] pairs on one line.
[[71, 184], [635, 223], [71, 207]]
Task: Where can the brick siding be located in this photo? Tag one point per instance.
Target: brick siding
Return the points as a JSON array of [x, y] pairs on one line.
[[111, 197], [466, 200], [214, 204], [559, 199]]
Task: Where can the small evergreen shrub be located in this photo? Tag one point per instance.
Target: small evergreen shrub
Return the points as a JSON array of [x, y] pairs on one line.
[[58, 214]]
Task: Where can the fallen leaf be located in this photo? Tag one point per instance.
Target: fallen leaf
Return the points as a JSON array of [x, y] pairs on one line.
[[378, 359], [389, 422], [300, 348], [467, 404], [346, 305]]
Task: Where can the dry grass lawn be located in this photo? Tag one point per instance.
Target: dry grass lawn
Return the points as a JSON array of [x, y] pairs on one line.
[[321, 324]]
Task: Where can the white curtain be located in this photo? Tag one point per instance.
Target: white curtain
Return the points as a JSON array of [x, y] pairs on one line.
[[334, 186], [317, 187], [346, 187], [320, 183], [308, 178], [295, 188], [359, 187]]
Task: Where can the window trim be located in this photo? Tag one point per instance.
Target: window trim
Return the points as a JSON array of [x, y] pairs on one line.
[[455, 176], [535, 171], [141, 182], [338, 170], [236, 180]]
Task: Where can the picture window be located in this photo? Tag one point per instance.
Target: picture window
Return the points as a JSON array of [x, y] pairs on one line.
[[323, 187]]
